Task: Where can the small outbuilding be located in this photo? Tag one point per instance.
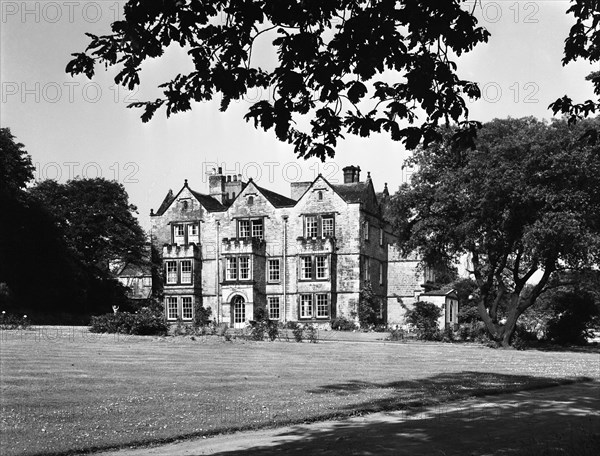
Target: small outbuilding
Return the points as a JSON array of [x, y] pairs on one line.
[[447, 300]]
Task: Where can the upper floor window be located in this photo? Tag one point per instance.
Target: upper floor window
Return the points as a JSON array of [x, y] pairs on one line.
[[306, 267], [193, 233], [319, 226], [244, 228], [251, 227], [314, 267], [381, 236], [237, 268], [179, 234], [273, 274], [367, 267], [366, 230], [171, 271], [186, 271], [381, 277], [257, 228], [312, 226], [250, 200], [185, 233], [320, 195], [179, 272]]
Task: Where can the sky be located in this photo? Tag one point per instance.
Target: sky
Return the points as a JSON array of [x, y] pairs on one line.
[[72, 126]]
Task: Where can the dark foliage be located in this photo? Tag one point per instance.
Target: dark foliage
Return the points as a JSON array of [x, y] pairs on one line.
[[424, 317], [329, 63], [342, 324], [573, 316], [145, 322]]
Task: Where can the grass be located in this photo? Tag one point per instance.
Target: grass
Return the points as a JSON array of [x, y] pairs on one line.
[[66, 390]]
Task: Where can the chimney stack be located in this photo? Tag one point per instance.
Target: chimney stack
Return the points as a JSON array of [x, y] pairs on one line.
[[351, 174]]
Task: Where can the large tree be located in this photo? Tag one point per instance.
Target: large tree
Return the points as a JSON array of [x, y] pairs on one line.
[[340, 66], [524, 204], [97, 219]]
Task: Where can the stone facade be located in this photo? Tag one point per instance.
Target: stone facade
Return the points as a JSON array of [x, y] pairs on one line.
[[304, 258]]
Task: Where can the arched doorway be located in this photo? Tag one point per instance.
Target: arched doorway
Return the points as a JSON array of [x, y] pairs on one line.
[[238, 311]]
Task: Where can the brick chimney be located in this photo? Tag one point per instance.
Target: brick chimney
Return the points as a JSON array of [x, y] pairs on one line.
[[351, 174]]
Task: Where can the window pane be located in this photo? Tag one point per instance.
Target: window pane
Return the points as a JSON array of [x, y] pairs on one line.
[[328, 230], [178, 234], [231, 268], [244, 268], [322, 267], [171, 308], [171, 272], [186, 271], [305, 267], [305, 306], [193, 233], [380, 236], [274, 307], [257, 229], [322, 306], [273, 271], [311, 226], [244, 228], [367, 268], [187, 308]]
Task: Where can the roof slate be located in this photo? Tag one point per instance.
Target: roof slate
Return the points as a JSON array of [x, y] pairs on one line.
[[276, 199], [208, 202]]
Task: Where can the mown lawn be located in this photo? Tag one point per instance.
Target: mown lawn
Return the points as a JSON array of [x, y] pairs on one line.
[[66, 390]]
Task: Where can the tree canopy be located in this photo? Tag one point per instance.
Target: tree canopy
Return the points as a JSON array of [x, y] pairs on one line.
[[96, 218], [342, 66], [582, 43], [524, 204]]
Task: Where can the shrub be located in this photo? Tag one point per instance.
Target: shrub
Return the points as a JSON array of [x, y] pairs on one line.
[[396, 334], [572, 319], [9, 321], [424, 317], [145, 322], [201, 315], [342, 324], [369, 307], [297, 331], [311, 333]]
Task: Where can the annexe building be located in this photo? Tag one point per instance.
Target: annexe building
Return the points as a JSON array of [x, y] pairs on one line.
[[302, 258]]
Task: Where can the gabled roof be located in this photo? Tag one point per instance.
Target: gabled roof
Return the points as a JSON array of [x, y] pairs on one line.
[[276, 199], [208, 202], [133, 270], [355, 192], [166, 203], [450, 292]]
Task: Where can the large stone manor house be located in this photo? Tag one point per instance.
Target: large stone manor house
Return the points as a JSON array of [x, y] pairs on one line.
[[302, 258]]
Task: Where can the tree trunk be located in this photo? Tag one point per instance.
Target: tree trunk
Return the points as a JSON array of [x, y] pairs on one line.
[[501, 333]]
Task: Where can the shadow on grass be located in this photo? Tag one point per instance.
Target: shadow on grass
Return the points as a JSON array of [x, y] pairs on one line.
[[555, 421], [420, 415]]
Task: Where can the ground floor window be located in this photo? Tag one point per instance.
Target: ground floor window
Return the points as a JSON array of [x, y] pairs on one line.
[[274, 309], [172, 308], [180, 307], [315, 305]]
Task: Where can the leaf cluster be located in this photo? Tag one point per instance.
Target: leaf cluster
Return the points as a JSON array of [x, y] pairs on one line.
[[346, 66]]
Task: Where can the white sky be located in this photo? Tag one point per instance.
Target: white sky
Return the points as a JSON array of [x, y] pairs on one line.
[[72, 126]]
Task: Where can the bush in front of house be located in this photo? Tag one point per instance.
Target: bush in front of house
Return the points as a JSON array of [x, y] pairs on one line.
[[424, 317], [10, 321], [342, 324], [263, 325], [144, 322]]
